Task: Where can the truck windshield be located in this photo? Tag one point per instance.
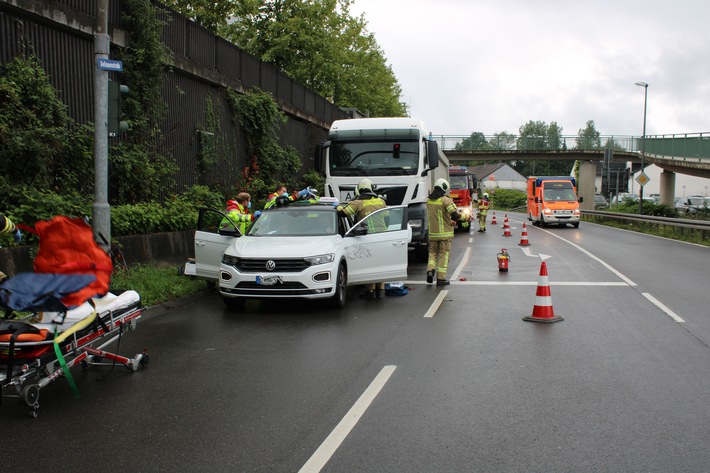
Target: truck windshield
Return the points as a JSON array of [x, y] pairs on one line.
[[459, 182], [374, 158]]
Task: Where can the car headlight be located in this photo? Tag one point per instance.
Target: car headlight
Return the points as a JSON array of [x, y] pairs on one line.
[[322, 259], [547, 211], [230, 260]]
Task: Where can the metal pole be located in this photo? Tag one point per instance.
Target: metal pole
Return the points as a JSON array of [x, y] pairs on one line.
[[101, 217], [643, 140]]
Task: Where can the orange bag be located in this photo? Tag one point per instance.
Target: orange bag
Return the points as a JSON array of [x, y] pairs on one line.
[[67, 246]]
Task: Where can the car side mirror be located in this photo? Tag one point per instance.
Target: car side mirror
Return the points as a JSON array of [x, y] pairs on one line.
[[229, 231], [360, 230], [581, 199]]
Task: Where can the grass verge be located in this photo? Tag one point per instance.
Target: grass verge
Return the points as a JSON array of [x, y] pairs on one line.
[[156, 283]]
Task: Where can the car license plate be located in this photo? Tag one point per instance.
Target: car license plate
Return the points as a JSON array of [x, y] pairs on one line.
[[268, 280]]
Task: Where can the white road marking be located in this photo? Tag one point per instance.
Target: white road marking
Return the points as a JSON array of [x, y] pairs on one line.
[[661, 306], [336, 437], [606, 265], [435, 305], [470, 240], [526, 250], [463, 262], [529, 283]]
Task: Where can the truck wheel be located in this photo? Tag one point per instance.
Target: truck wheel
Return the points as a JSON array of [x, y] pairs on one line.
[[575, 225]]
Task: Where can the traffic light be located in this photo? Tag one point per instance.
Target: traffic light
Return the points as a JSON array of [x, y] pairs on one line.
[[115, 92]]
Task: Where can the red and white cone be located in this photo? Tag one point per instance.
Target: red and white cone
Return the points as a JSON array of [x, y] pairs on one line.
[[494, 222], [542, 311], [506, 228], [524, 236]]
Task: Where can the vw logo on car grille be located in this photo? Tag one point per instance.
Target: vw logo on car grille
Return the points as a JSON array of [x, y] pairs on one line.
[[270, 265]]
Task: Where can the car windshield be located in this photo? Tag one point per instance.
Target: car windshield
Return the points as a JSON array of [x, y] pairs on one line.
[[374, 158], [696, 200], [560, 193], [295, 222]]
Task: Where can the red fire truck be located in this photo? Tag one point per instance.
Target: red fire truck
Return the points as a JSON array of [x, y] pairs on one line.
[[463, 186]]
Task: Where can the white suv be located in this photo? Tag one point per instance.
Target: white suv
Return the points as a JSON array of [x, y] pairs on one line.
[[305, 251]]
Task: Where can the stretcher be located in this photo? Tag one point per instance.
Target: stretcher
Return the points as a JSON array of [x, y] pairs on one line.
[[41, 339]]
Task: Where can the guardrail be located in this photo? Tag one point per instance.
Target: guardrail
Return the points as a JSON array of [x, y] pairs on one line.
[[702, 225]]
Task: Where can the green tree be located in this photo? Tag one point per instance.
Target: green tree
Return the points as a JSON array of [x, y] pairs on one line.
[[502, 141], [476, 141], [316, 42], [588, 137], [539, 136]]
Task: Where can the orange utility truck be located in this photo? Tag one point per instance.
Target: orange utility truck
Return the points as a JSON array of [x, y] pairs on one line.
[[552, 200]]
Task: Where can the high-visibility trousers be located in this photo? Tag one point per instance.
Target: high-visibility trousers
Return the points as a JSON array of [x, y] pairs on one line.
[[439, 257]]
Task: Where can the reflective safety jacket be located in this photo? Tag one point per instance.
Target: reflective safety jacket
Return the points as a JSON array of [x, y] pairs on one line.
[[240, 217], [6, 225], [271, 200], [441, 211], [483, 206], [363, 206]]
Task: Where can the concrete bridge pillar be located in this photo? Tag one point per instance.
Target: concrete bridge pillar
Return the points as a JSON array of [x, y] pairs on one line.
[[585, 186], [668, 187]]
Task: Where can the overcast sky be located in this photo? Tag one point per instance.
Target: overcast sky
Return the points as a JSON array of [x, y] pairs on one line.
[[491, 66]]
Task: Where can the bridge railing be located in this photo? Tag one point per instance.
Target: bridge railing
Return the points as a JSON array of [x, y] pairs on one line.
[[687, 145]]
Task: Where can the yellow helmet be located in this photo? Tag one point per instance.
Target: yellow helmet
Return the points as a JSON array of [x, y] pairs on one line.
[[442, 184], [365, 185]]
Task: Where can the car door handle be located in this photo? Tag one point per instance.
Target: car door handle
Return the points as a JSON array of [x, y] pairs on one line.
[[399, 242], [199, 243]]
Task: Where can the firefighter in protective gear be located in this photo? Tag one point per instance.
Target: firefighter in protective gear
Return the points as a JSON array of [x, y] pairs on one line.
[[483, 205], [441, 211], [238, 213], [363, 205], [7, 226]]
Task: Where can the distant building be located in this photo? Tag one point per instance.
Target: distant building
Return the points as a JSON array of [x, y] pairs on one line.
[[500, 175]]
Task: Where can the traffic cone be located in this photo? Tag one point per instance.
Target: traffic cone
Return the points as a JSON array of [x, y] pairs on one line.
[[494, 222], [506, 228], [524, 236], [542, 311]]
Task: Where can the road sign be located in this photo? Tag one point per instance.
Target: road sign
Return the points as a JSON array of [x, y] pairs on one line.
[[109, 64], [643, 179]]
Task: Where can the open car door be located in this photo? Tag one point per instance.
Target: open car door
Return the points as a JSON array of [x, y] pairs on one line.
[[211, 241], [376, 247]]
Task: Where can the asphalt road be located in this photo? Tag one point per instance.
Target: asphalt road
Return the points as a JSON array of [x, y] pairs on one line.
[[621, 384]]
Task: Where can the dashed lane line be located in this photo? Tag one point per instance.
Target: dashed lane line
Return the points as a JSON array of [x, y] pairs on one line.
[[321, 456], [435, 305], [663, 307]]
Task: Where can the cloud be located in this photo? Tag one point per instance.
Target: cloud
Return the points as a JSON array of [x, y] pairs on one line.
[[472, 66]]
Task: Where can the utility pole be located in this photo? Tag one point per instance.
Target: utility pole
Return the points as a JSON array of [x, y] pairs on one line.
[[101, 218]]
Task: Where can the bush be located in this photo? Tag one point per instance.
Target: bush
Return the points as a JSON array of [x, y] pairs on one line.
[[508, 199]]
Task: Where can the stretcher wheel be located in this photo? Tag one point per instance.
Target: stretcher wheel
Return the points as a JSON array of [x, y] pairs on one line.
[[30, 395]]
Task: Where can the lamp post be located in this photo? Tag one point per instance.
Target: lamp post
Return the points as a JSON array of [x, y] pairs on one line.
[[643, 140]]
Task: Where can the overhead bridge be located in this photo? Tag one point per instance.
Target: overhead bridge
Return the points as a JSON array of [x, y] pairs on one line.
[[687, 153]]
